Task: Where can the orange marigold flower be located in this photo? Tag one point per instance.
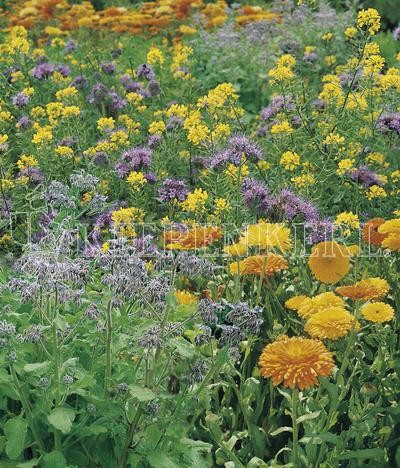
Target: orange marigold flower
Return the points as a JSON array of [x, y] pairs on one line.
[[329, 261], [259, 264], [297, 362], [311, 305], [377, 312], [332, 323], [366, 289], [370, 232], [195, 238]]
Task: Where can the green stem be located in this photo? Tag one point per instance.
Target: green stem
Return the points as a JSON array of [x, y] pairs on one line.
[[129, 437], [295, 400], [107, 375], [57, 435]]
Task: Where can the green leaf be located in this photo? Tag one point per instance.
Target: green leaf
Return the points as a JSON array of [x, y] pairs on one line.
[[364, 454], [308, 416], [15, 430], [61, 419], [37, 366], [53, 460], [158, 459], [29, 464], [281, 429], [141, 393]]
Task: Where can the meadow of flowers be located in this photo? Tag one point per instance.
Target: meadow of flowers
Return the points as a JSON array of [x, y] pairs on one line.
[[199, 235]]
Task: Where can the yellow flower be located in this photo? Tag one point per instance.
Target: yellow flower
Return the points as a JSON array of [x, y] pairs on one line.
[[136, 180], [345, 165], [331, 323], [157, 127], [378, 312], [289, 160], [3, 139], [297, 362], [333, 139], [26, 161], [235, 250], [64, 151], [154, 55], [281, 127], [369, 20], [366, 289], [350, 32], [195, 201], [185, 297], [267, 236], [105, 247], [66, 93], [304, 180], [329, 261], [349, 219], [375, 192], [308, 306], [392, 229], [105, 123]]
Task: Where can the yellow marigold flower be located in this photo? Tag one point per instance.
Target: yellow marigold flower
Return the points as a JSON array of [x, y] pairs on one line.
[[331, 323], [369, 20], [307, 306], [105, 123], [185, 297], [289, 160], [377, 312], [281, 127], [136, 180], [259, 265], [345, 165], [267, 236], [64, 151], [154, 55], [365, 290], [235, 250], [297, 362], [375, 192], [333, 139], [329, 261], [391, 229], [195, 201]]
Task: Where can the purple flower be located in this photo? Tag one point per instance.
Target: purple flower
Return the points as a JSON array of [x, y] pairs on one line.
[[24, 122], [172, 189], [35, 175], [42, 70], [310, 57], [154, 87], [389, 122], [257, 196], [151, 177], [108, 68], [145, 71], [154, 141], [292, 206], [100, 159], [20, 100], [320, 230], [363, 175], [396, 34], [239, 146], [64, 70], [135, 158], [80, 82], [278, 104], [70, 46]]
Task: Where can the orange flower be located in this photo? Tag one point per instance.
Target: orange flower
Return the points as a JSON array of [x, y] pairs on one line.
[[195, 238], [329, 261], [370, 232], [256, 264], [366, 289], [307, 306], [297, 362]]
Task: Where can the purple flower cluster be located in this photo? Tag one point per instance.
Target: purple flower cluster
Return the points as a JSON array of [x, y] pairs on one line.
[[389, 122], [172, 189], [239, 146], [286, 204], [133, 159], [363, 175], [278, 104], [108, 68], [20, 100], [101, 96], [43, 70], [396, 34]]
